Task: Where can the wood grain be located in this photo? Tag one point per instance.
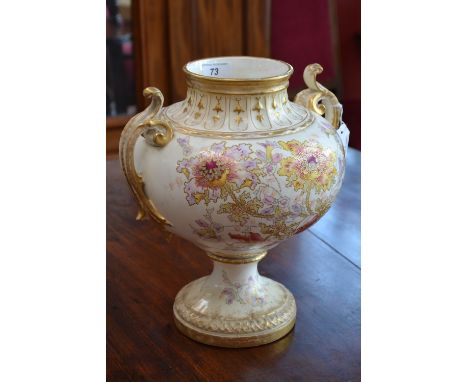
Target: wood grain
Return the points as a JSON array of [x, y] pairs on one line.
[[150, 36], [144, 273], [257, 31], [219, 27], [182, 44], [168, 34]]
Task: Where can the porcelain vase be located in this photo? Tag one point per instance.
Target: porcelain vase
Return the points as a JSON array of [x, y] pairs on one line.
[[236, 168]]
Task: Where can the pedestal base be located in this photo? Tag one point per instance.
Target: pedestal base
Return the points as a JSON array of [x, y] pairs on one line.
[[234, 307]]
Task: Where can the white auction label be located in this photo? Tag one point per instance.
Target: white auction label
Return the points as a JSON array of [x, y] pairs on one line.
[[215, 69]]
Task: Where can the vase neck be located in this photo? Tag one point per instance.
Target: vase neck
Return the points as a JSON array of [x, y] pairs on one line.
[[261, 113], [239, 111], [243, 97]]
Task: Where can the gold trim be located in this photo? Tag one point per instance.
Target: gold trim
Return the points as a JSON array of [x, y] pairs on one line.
[[239, 135], [144, 123], [222, 91], [155, 137], [318, 98], [226, 258], [286, 75], [238, 85], [248, 88], [238, 341], [252, 327]]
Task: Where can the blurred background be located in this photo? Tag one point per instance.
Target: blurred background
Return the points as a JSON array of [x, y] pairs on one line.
[[149, 41]]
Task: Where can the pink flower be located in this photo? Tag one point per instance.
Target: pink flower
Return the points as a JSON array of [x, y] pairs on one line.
[[213, 170]]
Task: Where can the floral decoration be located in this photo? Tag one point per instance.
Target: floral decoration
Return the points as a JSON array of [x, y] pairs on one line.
[[251, 293], [248, 184]]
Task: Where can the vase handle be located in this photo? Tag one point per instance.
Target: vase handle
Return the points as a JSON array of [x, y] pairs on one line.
[[318, 98], [156, 132]]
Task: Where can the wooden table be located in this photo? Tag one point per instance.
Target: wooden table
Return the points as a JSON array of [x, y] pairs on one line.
[[321, 267]]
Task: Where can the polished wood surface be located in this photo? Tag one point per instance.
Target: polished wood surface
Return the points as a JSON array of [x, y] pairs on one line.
[[321, 267]]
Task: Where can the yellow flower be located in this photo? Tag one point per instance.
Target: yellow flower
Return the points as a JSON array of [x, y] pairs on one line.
[[309, 165], [293, 146]]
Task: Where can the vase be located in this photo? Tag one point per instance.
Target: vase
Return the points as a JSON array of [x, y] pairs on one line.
[[236, 168]]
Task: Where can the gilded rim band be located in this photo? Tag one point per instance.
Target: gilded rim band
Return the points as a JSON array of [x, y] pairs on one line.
[[250, 258], [238, 85]]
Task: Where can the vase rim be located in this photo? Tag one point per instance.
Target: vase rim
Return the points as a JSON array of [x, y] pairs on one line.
[[239, 69], [240, 75]]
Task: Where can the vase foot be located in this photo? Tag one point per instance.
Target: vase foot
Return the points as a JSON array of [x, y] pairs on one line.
[[234, 307]]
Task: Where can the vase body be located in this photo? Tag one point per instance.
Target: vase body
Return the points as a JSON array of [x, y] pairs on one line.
[[235, 168]]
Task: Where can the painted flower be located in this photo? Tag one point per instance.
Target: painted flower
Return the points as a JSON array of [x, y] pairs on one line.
[[241, 209], [247, 183], [278, 229], [229, 295], [215, 172], [310, 166], [268, 157], [272, 201], [267, 154], [184, 142], [251, 292], [320, 207], [207, 228]]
